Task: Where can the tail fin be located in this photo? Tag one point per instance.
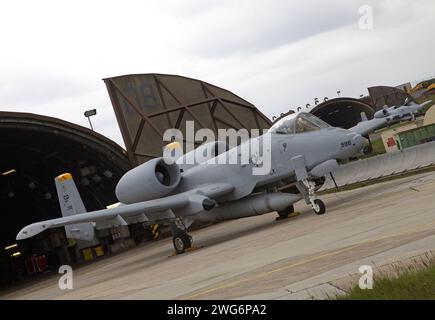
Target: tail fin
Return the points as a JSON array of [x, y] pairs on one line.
[[70, 204], [69, 197], [173, 151]]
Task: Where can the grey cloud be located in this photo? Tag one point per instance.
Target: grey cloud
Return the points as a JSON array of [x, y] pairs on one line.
[[39, 88], [276, 54], [255, 26]]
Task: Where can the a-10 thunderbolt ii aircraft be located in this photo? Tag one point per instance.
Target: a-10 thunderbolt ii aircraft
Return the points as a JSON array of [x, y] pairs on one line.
[[407, 111], [301, 147], [389, 116]]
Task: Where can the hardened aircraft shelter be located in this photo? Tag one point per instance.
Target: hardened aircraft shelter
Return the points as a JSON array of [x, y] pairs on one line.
[[147, 104]]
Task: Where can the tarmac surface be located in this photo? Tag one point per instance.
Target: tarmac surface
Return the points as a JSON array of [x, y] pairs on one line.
[[303, 257]]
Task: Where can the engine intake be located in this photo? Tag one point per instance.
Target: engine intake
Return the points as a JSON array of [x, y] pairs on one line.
[[151, 180]]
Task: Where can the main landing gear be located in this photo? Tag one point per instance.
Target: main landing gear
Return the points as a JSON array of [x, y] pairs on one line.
[[307, 189], [180, 238]]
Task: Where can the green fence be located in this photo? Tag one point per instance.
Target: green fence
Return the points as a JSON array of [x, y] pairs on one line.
[[416, 136]]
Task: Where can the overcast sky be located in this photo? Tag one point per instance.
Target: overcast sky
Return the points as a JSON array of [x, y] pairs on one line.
[[276, 54]]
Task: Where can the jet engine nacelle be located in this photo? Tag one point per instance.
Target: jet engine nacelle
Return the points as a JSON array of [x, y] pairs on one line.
[[382, 113], [151, 180]]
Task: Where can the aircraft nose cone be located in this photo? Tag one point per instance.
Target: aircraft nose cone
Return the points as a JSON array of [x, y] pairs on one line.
[[23, 234]]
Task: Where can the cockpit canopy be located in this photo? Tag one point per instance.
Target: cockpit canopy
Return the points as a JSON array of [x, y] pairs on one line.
[[298, 123]]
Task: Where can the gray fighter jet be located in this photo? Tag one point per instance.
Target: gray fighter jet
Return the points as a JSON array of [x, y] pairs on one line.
[[301, 149], [407, 111]]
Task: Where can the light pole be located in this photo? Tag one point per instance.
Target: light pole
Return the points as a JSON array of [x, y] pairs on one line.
[[89, 114]]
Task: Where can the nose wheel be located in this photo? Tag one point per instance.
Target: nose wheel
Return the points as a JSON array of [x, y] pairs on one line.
[[318, 206], [307, 189]]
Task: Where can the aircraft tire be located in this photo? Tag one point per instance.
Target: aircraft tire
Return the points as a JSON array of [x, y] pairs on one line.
[[320, 207], [182, 241], [283, 214]]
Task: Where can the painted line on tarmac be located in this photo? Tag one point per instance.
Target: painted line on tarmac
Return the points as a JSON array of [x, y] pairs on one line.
[[266, 273]]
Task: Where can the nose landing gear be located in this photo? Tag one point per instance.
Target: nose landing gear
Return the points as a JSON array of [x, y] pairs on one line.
[[307, 189], [318, 207], [306, 186]]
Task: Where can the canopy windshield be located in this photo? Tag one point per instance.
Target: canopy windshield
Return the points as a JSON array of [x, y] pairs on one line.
[[298, 123]]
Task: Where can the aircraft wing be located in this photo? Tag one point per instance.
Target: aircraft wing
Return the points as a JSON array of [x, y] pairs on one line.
[[190, 202], [365, 127]]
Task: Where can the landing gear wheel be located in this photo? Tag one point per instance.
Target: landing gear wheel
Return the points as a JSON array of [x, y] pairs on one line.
[[182, 241], [318, 207], [283, 214]]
